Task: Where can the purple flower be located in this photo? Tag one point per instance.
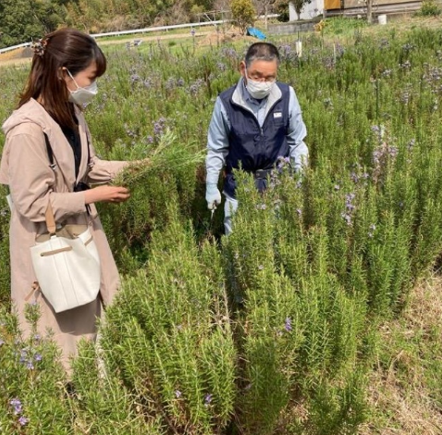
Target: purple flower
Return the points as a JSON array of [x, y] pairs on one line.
[[288, 324], [23, 420], [405, 65], [23, 355], [17, 406], [37, 357], [178, 394], [221, 66], [207, 399], [393, 151], [405, 97], [158, 126], [229, 52], [170, 84], [346, 217], [134, 78], [299, 211]]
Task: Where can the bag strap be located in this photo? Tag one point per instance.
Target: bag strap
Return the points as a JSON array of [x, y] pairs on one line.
[[50, 220], [50, 152]]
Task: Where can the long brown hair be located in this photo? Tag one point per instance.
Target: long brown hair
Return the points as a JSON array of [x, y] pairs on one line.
[[68, 48]]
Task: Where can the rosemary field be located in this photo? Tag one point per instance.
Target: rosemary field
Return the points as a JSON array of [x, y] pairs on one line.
[[274, 329]]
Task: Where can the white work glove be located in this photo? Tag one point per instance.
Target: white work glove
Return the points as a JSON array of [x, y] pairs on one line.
[[213, 196]]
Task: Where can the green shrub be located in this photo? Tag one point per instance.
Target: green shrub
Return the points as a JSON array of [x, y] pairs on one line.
[[429, 8]]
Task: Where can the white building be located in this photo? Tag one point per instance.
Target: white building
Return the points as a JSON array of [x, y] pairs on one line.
[[309, 11]]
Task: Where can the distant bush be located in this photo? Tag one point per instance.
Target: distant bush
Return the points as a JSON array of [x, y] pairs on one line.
[[429, 8]]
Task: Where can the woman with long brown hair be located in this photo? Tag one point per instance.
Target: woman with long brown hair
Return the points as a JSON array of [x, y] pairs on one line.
[[49, 159]]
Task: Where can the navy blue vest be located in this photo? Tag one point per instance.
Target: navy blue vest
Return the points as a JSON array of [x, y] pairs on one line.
[[253, 147]]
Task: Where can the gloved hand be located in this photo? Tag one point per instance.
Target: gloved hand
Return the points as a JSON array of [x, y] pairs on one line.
[[213, 196]]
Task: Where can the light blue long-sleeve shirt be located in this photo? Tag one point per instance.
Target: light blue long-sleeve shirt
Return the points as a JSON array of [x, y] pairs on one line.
[[219, 128]]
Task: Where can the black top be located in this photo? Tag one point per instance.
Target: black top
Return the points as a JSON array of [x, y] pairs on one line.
[[73, 137]]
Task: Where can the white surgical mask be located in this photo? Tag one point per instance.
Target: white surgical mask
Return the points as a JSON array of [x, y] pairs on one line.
[[82, 96], [258, 90]]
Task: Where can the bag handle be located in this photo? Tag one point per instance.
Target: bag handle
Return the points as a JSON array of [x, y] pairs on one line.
[[50, 220]]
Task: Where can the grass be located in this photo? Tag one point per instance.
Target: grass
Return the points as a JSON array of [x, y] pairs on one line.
[[405, 385]]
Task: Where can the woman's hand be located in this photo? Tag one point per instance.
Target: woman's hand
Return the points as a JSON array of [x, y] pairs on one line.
[[106, 194]]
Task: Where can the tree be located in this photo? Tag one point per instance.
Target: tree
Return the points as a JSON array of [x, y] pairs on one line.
[[299, 4], [243, 14], [19, 22], [281, 7], [263, 8]]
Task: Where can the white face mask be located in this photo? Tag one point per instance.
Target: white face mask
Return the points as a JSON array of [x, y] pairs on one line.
[[258, 90], [83, 96]]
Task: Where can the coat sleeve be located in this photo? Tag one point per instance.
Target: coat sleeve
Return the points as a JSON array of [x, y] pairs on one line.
[[103, 171], [31, 180], [296, 134], [217, 142]]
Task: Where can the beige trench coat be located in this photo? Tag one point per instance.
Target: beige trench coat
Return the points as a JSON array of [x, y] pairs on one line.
[[33, 183]]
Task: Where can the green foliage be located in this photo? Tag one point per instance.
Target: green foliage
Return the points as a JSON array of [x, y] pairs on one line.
[[343, 26], [5, 283], [31, 386], [25, 20], [429, 8], [243, 14], [282, 8], [274, 329], [169, 337]]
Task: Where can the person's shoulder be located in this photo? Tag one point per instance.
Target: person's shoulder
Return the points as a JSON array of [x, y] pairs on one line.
[[285, 87], [30, 129], [30, 118]]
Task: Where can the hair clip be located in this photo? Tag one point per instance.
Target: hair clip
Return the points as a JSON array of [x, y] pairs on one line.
[[39, 46]]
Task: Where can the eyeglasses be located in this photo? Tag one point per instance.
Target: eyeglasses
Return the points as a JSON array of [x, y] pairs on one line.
[[258, 77]]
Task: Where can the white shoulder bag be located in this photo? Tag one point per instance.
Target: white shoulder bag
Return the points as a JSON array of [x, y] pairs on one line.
[[66, 264]]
